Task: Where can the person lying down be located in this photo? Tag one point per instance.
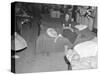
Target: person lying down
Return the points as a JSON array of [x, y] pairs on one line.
[[83, 55], [84, 34]]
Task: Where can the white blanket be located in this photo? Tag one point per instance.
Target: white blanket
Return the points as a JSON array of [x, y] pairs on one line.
[[86, 49], [84, 55]]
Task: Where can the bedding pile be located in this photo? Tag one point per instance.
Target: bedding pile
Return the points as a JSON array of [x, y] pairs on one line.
[[83, 56], [18, 43]]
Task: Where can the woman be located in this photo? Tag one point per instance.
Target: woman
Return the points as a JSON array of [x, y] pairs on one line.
[[68, 29]]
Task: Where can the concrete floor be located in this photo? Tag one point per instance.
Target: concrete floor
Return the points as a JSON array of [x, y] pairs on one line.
[[30, 62]]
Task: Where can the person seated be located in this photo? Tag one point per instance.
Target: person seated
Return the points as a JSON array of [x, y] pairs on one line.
[[68, 30]]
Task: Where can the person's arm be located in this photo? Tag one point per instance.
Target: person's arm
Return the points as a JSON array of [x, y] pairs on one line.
[[83, 36]]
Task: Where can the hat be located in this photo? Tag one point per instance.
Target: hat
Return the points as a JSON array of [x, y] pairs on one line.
[[51, 32]]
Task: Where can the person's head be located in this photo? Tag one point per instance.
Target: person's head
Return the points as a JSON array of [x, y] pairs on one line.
[[67, 17], [72, 19], [75, 57]]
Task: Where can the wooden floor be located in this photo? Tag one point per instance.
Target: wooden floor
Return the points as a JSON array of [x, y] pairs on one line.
[[30, 62]]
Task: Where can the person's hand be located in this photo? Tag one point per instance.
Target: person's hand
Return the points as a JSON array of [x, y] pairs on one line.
[[68, 53], [75, 57], [56, 38], [72, 55]]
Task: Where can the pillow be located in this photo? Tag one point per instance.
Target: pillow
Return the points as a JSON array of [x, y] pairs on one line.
[[81, 27]]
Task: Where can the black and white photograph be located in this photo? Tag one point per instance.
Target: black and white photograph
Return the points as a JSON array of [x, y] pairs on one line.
[[47, 37]]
